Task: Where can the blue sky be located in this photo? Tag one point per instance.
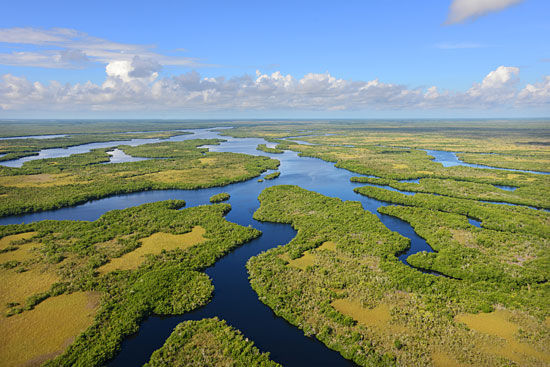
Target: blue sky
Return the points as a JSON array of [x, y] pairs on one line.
[[208, 58]]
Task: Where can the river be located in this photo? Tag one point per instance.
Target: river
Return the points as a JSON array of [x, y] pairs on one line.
[[233, 299]]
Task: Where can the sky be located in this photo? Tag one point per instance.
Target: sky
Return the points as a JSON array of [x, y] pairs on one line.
[[284, 59]]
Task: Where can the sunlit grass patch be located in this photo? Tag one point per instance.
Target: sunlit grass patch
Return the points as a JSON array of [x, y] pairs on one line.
[[154, 244], [440, 359], [400, 166], [16, 287], [208, 160], [32, 337], [40, 180], [499, 324], [308, 258], [7, 240], [378, 317], [303, 262], [22, 253], [196, 175], [328, 245]]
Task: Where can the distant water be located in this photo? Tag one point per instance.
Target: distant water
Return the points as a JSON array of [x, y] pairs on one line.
[[34, 137], [450, 159]]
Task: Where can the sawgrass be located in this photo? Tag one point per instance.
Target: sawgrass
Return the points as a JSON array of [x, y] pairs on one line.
[[8, 240], [196, 175], [499, 325], [153, 245], [32, 337], [303, 262], [22, 253], [441, 359], [308, 258], [16, 287], [38, 180], [378, 317], [328, 245]]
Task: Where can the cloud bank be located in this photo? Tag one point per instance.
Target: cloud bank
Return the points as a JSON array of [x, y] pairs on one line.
[[462, 10], [134, 85], [68, 48]]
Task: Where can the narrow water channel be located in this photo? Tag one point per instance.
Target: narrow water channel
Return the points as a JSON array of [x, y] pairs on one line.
[[234, 300]]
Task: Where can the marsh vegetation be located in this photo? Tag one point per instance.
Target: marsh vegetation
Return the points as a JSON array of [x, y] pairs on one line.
[[478, 297]]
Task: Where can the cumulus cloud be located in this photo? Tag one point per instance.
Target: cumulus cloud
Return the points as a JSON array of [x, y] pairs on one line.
[[499, 85], [536, 94], [134, 85], [461, 10], [69, 48], [137, 68]]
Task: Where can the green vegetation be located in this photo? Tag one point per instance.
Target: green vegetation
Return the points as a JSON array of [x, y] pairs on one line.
[[218, 198], [339, 279], [524, 195], [359, 299], [534, 161], [51, 324], [58, 182], [208, 342], [265, 148], [493, 216], [476, 254], [17, 148], [514, 143], [167, 282], [272, 176]]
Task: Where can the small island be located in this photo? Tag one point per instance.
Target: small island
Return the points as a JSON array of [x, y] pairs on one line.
[[272, 176], [265, 148], [218, 198]]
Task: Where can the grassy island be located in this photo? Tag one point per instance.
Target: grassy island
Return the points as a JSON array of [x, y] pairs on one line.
[[265, 148], [105, 277], [339, 280], [218, 198], [208, 342], [57, 182]]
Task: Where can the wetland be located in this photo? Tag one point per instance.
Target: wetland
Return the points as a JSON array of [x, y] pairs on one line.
[[359, 252]]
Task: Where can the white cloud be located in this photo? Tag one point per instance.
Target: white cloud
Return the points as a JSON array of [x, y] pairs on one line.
[[536, 94], [137, 68], [69, 48], [462, 10], [497, 85], [134, 85]]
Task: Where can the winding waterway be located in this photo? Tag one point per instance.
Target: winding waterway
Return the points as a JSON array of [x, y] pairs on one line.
[[234, 300], [85, 148]]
